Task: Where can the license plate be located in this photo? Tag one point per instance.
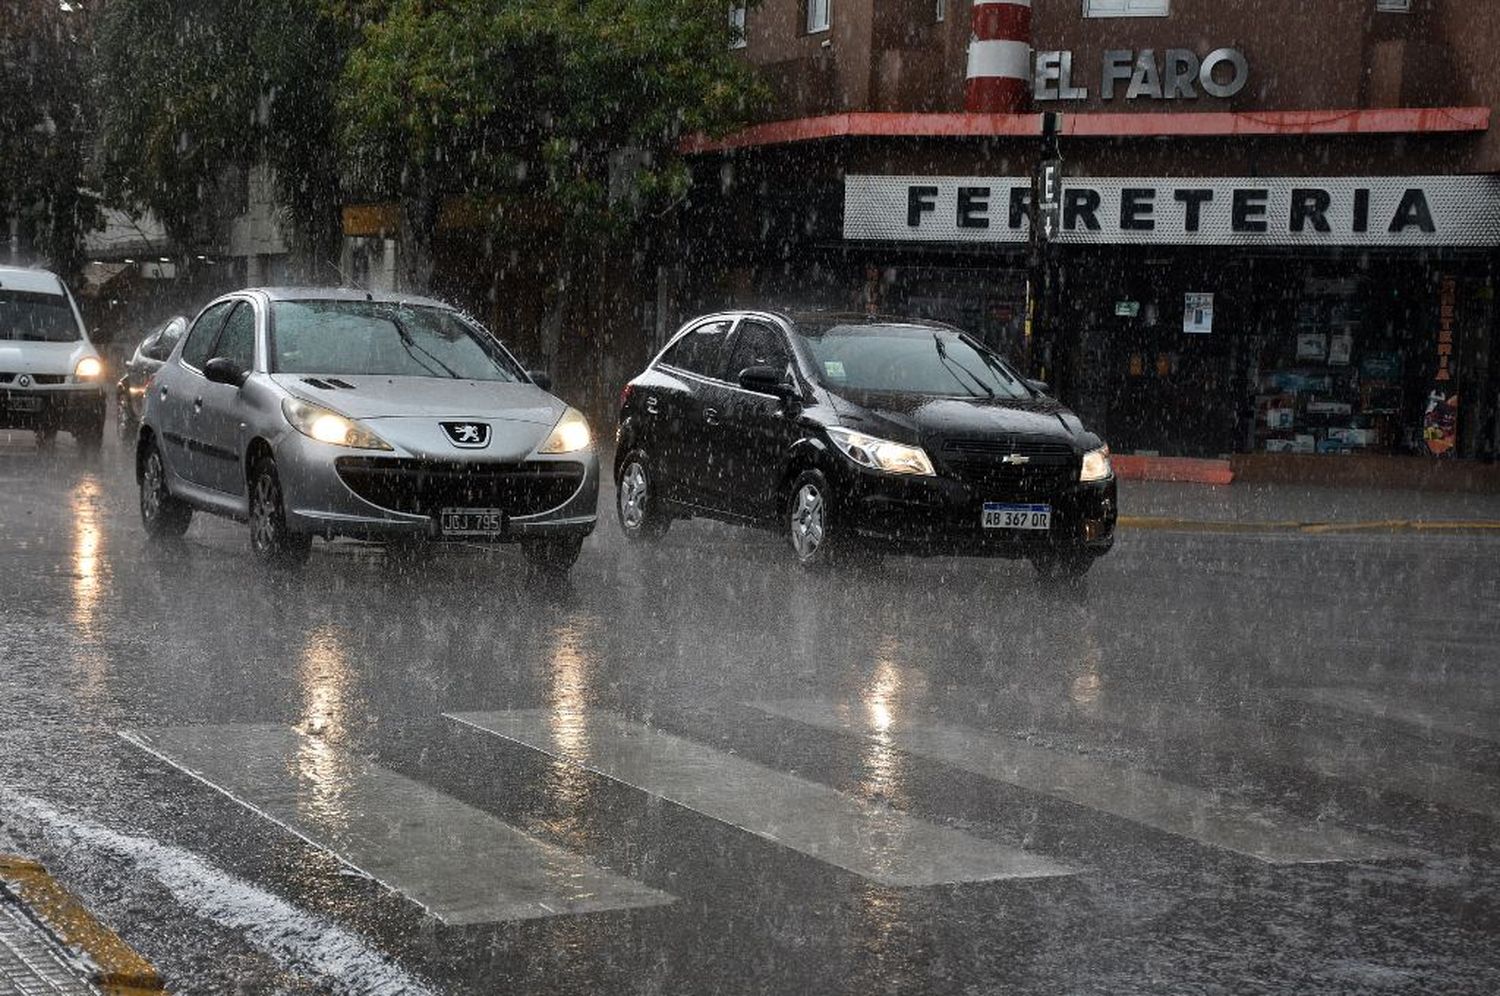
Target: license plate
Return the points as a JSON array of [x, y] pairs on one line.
[[998, 515], [21, 403], [486, 522]]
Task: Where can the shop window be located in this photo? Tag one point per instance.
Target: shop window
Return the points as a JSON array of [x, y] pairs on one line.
[[1393, 6], [1126, 8], [819, 16], [737, 25]]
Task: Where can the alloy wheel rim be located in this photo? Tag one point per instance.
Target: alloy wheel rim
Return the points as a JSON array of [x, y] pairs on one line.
[[263, 532], [151, 487], [633, 496], [807, 521]]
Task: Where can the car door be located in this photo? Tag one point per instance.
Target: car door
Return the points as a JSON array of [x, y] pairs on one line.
[[755, 429], [677, 401], [219, 413], [175, 387]]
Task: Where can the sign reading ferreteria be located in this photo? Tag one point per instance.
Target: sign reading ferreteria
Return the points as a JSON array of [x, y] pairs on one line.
[[1302, 211]]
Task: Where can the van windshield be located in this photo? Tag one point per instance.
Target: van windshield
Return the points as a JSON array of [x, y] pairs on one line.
[[29, 316]]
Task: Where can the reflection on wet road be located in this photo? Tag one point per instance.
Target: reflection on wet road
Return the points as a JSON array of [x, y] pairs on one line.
[[1233, 763]]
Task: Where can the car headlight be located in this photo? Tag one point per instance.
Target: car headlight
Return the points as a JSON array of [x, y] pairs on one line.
[[88, 368], [1096, 465], [569, 435], [327, 426], [881, 454]]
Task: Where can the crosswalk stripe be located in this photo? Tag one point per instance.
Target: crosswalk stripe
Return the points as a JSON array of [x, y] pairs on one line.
[[460, 864], [1390, 768], [875, 842], [1399, 709], [1208, 817]]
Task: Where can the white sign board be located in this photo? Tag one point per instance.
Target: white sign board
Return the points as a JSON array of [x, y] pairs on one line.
[[1197, 313]]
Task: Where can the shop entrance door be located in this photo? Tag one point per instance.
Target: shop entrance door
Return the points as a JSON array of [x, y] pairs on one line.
[[1174, 392]]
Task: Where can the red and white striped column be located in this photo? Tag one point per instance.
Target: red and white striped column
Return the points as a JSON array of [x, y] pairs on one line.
[[999, 78]]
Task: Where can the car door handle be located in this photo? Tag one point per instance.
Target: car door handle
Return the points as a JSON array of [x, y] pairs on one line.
[[197, 405], [164, 391], [711, 416]]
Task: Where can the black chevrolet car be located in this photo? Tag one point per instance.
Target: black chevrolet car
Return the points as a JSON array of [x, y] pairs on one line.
[[851, 432]]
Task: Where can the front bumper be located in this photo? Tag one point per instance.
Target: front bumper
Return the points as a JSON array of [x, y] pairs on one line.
[[335, 491], [942, 515], [51, 406]]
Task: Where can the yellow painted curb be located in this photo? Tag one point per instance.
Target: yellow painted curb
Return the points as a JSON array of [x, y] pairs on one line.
[[1317, 528], [118, 969]]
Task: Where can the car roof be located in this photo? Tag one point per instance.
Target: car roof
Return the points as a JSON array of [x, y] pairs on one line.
[[343, 294], [36, 281]]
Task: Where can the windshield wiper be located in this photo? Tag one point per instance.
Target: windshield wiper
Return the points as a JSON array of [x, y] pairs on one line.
[[410, 344], [950, 362]]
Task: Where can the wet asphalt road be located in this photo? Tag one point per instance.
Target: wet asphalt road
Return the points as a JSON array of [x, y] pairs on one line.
[[1232, 763]]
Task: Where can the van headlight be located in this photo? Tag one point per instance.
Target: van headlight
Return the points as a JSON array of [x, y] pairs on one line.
[[328, 426], [569, 435], [881, 454], [89, 368], [1096, 465]]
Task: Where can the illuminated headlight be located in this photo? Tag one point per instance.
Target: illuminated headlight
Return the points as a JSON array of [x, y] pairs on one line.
[[326, 426], [881, 454], [1096, 465], [569, 435], [88, 368]]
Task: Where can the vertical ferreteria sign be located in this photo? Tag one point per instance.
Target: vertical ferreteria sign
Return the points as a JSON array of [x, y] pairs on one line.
[[1440, 423], [999, 74]]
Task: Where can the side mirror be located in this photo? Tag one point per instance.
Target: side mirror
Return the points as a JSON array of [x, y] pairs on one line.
[[223, 370], [102, 336], [540, 378], [1040, 386], [767, 380]]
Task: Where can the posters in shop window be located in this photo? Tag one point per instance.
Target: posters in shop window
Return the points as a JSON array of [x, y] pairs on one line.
[[1440, 422], [1198, 313]]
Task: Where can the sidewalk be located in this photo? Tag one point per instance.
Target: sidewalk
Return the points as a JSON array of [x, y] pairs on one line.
[[1246, 507]]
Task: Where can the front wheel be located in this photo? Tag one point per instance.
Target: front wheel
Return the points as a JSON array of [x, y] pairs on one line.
[[270, 540], [163, 515], [809, 519], [554, 556], [636, 501], [90, 435]]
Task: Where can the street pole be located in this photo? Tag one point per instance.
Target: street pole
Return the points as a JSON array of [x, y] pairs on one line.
[[1046, 221]]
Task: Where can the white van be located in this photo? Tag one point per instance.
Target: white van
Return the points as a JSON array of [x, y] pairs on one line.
[[51, 376]]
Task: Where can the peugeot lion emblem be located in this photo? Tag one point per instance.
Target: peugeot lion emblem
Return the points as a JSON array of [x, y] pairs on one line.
[[1015, 459], [468, 435]]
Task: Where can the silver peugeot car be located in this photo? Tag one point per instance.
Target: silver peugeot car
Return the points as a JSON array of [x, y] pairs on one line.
[[317, 412]]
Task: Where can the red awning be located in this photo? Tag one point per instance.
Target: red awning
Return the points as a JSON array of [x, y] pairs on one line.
[[870, 124]]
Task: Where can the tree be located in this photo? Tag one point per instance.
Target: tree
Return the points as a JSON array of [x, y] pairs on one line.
[[194, 93], [45, 126]]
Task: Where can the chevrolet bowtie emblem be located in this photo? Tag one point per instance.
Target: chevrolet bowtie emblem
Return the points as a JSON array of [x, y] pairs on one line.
[[1015, 459]]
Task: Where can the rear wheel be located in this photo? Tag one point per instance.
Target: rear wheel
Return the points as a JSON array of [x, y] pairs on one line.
[[809, 519], [554, 556], [162, 515], [270, 540], [636, 501]]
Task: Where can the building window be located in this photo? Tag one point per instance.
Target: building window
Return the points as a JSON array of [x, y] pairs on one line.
[[1126, 8], [818, 15], [940, 10], [737, 25], [1393, 6]]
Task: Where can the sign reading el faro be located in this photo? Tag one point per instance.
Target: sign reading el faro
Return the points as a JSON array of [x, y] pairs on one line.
[[1308, 211]]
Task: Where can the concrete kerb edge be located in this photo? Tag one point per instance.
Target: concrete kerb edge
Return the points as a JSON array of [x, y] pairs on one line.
[[1170, 524], [115, 967]]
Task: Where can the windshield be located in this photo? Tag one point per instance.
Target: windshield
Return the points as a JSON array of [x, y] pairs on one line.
[[377, 338], [909, 359], [29, 316]]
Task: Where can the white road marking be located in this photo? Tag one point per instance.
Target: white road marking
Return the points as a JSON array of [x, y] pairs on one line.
[[458, 863], [1211, 818], [1400, 709], [873, 841], [1310, 750], [301, 943]]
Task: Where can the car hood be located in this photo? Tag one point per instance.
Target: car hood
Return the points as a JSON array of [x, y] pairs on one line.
[[43, 357], [373, 397], [920, 418]]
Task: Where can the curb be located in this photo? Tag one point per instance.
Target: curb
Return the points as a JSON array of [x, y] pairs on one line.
[[1166, 523], [115, 967]]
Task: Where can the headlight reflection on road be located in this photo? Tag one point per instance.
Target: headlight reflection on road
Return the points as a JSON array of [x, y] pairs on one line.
[[86, 536], [569, 696], [324, 676], [883, 703]]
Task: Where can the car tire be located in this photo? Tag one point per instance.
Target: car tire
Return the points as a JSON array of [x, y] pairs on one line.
[[1062, 566], [553, 557], [809, 520], [46, 438], [636, 505], [164, 516], [90, 435], [125, 424], [272, 542]]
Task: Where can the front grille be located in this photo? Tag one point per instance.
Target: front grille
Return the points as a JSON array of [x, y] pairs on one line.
[[40, 380], [423, 487], [980, 462]]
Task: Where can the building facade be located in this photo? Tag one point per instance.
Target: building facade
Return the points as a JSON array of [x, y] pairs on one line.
[[1276, 230]]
